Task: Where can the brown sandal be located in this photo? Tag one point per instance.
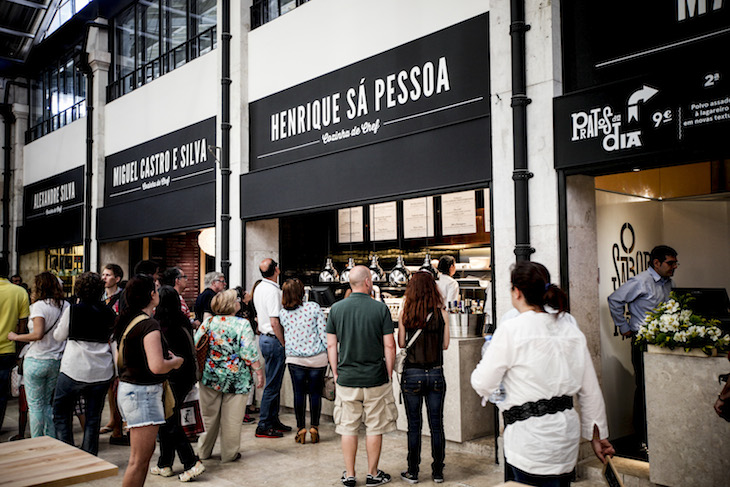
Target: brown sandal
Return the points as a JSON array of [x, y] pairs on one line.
[[301, 436], [314, 431]]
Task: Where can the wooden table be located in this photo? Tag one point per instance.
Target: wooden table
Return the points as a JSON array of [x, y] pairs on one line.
[[48, 461]]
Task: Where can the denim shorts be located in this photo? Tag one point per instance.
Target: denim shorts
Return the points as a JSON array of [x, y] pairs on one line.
[[140, 405]]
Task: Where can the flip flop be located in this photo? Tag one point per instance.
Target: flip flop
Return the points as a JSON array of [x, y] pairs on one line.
[[105, 430]]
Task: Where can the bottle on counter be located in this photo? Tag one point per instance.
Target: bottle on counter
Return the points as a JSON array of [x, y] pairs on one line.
[[498, 394]]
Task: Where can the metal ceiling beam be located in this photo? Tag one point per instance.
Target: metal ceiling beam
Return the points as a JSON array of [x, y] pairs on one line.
[[26, 3], [16, 33]]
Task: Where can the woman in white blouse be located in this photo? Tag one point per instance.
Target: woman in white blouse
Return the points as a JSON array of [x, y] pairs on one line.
[[43, 356], [543, 361]]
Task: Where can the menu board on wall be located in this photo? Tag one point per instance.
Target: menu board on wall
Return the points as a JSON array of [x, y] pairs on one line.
[[418, 217], [349, 225], [458, 213], [383, 221]]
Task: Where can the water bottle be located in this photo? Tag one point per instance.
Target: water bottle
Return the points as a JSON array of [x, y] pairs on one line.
[[498, 394]]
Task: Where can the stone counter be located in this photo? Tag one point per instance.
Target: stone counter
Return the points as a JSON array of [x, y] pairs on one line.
[[688, 443], [464, 417]]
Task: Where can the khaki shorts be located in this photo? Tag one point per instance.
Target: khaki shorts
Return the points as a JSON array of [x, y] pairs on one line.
[[373, 406]]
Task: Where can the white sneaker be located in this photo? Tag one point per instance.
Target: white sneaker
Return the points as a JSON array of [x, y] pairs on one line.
[[162, 472], [192, 472]]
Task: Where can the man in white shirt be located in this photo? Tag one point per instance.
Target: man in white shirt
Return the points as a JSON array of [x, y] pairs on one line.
[[448, 287], [267, 301]]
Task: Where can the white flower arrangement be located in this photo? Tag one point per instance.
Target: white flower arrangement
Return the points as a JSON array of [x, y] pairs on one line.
[[674, 325]]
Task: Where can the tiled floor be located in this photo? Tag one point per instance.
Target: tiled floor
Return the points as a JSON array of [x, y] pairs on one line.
[[278, 462]]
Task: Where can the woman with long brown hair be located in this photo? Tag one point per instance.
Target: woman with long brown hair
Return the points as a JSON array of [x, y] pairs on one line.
[[144, 360], [42, 360], [422, 326]]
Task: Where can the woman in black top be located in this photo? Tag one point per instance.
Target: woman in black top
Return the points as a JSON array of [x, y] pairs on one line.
[[178, 333], [144, 360], [423, 375]]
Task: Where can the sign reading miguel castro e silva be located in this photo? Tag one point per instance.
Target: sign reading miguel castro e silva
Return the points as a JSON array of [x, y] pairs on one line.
[[177, 160], [437, 80], [53, 196]]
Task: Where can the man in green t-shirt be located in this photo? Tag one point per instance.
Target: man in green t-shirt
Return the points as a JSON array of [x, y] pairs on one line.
[[14, 312], [362, 368]]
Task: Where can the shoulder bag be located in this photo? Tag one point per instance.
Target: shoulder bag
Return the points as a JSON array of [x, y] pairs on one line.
[[400, 358], [201, 351]]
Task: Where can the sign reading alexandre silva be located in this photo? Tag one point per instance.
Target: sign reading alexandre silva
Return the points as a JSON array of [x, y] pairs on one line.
[[54, 195]]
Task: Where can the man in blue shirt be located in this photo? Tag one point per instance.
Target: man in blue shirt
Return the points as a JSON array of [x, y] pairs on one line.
[[642, 293]]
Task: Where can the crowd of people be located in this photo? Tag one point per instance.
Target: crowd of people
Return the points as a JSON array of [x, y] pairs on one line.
[[139, 344]]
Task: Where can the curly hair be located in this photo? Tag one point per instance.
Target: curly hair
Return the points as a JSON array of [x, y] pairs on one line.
[[48, 287], [89, 287], [421, 298]]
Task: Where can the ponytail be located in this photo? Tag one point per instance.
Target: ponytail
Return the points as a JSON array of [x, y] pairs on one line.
[[556, 298]]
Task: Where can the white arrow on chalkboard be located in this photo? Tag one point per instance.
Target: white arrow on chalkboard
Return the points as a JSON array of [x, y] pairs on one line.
[[637, 96]]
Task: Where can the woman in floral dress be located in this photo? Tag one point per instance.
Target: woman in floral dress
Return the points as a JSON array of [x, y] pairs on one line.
[[227, 376]]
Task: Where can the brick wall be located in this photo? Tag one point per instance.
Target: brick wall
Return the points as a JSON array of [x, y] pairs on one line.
[[183, 251]]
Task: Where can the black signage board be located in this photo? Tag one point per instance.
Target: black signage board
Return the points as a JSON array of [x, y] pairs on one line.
[[647, 120], [53, 212], [421, 164], [411, 120], [169, 163], [161, 186], [437, 80], [605, 42]]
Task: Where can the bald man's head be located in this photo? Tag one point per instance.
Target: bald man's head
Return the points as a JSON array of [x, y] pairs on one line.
[[269, 268], [360, 280]]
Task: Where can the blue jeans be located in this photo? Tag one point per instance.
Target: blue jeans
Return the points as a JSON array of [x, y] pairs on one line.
[[67, 392], [417, 385], [39, 377], [7, 362], [275, 356], [514, 473], [307, 381]]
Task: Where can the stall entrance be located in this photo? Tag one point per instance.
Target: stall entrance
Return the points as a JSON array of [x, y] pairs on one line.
[[686, 207]]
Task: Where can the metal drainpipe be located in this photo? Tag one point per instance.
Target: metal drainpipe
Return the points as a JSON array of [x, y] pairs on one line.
[[225, 136], [521, 174], [8, 120]]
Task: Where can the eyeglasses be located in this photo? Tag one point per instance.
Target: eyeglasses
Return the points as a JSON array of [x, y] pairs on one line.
[[219, 280], [182, 277], [672, 263]]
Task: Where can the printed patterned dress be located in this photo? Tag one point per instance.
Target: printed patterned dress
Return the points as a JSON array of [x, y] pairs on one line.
[[232, 350]]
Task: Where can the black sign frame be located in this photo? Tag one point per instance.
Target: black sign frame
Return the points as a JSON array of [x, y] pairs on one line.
[[423, 146], [53, 211]]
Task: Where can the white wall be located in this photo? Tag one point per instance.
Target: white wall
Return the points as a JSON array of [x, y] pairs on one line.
[[185, 96], [698, 230], [325, 35], [54, 153]]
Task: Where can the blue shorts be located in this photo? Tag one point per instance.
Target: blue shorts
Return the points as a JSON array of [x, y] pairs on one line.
[[140, 405]]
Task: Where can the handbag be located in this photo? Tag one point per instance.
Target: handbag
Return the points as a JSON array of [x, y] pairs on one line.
[[168, 398], [328, 385], [201, 351], [400, 358]]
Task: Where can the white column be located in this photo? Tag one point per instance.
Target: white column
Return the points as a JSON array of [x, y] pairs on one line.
[[21, 112], [99, 60]]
